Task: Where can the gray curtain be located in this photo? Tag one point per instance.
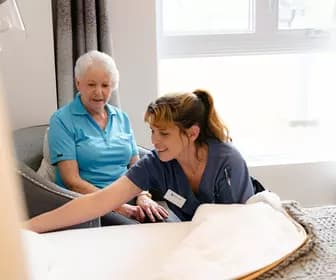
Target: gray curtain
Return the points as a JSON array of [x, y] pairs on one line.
[[79, 26]]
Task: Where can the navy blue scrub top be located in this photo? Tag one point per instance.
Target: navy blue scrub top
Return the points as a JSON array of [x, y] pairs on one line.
[[225, 179]]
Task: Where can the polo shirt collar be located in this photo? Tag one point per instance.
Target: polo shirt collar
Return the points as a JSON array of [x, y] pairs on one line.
[[77, 107]]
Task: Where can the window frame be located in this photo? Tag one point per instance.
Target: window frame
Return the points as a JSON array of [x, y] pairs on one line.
[[265, 39]]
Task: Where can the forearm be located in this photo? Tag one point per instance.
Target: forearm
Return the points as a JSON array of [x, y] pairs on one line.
[[69, 172], [86, 207], [74, 212], [81, 186]]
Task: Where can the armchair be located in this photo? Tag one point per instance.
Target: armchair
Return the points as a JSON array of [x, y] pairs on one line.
[[40, 195]]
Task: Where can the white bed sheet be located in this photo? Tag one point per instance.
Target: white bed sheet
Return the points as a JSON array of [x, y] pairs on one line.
[[116, 252], [222, 242]]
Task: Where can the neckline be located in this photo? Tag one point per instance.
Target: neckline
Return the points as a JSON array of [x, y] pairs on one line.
[[205, 172]]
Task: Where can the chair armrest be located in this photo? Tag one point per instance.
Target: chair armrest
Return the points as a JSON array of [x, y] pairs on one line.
[[42, 195]]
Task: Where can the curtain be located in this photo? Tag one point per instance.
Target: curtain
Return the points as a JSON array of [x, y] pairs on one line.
[[79, 26]]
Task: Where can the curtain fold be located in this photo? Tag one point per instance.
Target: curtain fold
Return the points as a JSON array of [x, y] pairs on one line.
[[79, 26]]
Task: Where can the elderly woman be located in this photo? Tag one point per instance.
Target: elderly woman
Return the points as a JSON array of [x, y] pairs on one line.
[[92, 143]]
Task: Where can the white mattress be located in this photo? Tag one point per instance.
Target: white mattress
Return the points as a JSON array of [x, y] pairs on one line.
[[222, 242], [116, 252]]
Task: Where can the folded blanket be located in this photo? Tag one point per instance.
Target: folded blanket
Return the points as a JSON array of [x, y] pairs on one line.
[[232, 241]]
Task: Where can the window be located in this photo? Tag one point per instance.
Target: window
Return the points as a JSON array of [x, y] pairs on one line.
[[198, 17], [268, 64], [303, 14]]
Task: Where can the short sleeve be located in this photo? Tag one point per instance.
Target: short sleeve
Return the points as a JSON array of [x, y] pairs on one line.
[[147, 172], [61, 141]]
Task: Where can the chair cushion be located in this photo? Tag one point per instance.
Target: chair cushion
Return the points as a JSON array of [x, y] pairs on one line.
[[28, 145], [46, 170]]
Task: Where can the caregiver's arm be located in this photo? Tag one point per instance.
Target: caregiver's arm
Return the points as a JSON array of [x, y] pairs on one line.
[[86, 207]]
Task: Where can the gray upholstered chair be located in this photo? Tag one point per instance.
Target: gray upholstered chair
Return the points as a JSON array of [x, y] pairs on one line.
[[40, 194]]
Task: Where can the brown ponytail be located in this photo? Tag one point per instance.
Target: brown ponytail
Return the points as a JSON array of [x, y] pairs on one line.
[[214, 126]]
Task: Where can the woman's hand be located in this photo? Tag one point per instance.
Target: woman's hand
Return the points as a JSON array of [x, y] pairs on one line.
[[132, 212], [153, 210]]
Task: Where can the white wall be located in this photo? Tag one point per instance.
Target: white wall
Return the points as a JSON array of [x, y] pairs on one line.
[[311, 184], [134, 49], [27, 66]]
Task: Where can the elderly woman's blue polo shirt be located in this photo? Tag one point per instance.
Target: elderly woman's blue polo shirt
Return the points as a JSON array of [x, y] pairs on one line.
[[102, 154]]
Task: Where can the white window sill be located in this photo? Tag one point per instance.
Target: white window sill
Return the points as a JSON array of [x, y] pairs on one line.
[[286, 159]]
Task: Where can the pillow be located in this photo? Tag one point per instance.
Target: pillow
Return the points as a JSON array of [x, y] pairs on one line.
[[38, 255], [46, 170], [267, 197]]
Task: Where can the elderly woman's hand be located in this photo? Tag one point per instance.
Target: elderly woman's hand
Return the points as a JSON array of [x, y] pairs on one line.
[[153, 210], [132, 212]]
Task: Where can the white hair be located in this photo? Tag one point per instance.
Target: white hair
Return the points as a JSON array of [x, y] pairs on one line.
[[96, 57]]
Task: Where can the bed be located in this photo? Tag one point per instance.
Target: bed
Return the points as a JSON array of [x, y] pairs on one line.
[[136, 251]]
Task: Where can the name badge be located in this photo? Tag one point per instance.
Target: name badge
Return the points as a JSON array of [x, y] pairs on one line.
[[175, 198]]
